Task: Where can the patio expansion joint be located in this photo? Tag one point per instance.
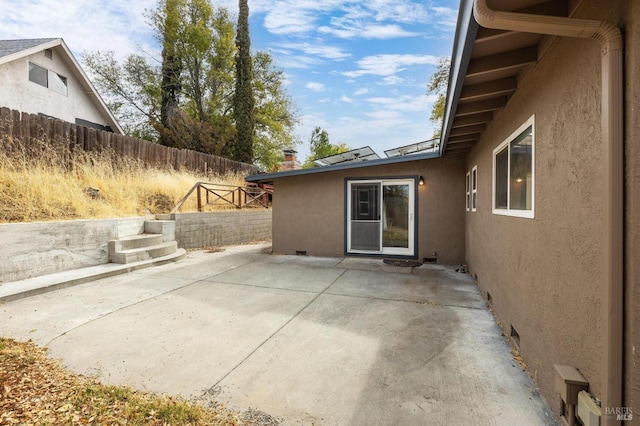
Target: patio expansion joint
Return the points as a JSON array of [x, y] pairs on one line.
[[122, 308], [426, 303], [210, 280], [142, 273], [213, 388]]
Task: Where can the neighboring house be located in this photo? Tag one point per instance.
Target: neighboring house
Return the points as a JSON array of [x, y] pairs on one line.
[[41, 76], [536, 188]]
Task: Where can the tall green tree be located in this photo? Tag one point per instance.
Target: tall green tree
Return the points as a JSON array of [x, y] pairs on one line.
[[221, 73], [321, 147], [169, 22], [438, 86], [244, 101]]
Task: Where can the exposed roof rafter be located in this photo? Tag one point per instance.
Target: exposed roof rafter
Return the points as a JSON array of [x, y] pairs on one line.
[[481, 106], [512, 60], [472, 119], [489, 89], [468, 130], [464, 138]]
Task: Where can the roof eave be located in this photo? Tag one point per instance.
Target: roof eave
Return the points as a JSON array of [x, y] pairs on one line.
[[30, 51], [270, 177], [91, 90], [466, 31]]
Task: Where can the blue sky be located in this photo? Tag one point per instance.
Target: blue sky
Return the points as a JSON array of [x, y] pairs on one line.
[[357, 69]]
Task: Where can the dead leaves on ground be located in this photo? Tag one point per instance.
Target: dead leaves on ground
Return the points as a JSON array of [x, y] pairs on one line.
[[36, 390]]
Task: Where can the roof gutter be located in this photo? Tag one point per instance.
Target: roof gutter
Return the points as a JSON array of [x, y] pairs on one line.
[[611, 43]]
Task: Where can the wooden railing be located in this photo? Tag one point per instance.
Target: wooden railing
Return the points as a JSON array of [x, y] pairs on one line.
[[212, 194]]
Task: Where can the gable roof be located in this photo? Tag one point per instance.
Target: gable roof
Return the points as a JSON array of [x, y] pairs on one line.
[[10, 50], [9, 47]]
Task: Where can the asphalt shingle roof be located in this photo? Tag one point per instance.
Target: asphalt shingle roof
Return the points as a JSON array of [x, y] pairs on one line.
[[8, 47]]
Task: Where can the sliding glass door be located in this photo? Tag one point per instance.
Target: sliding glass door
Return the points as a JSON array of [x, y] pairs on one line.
[[381, 216]]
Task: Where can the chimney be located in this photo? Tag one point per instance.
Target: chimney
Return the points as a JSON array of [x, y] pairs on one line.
[[290, 162]]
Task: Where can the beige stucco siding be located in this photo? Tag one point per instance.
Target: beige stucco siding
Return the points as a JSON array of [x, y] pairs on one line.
[[17, 92], [632, 208], [545, 274], [309, 210]]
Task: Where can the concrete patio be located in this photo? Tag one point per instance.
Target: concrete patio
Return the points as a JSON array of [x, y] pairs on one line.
[[308, 340]]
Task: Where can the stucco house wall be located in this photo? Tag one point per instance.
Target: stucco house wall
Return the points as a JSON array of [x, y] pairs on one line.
[[545, 275], [309, 210], [18, 93], [631, 19]]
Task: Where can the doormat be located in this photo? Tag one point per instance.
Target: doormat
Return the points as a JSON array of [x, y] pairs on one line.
[[400, 262]]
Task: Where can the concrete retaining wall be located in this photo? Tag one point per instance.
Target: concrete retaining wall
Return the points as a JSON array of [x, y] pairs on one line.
[[211, 229], [39, 248]]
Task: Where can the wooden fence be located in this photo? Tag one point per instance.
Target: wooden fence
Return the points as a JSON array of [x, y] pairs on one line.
[[32, 129]]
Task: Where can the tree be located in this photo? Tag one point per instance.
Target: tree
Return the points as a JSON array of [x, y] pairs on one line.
[[321, 147], [131, 91], [244, 102], [438, 86], [276, 114], [168, 21]]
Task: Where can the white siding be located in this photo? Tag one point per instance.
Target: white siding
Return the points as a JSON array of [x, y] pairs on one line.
[[17, 92]]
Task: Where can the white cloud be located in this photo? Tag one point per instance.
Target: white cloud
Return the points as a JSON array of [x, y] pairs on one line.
[[361, 92], [285, 60], [358, 18], [365, 30], [323, 51], [387, 65], [286, 17], [345, 99], [84, 24], [288, 21], [446, 17], [402, 103], [392, 80], [388, 115], [315, 87], [399, 10]]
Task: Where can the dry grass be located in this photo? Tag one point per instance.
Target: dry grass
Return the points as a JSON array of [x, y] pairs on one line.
[[53, 184], [36, 390]]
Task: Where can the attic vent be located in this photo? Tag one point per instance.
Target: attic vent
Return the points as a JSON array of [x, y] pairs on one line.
[[48, 53]]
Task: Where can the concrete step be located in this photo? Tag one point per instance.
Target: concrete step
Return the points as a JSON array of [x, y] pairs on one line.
[[166, 228], [30, 287], [134, 242], [143, 253]]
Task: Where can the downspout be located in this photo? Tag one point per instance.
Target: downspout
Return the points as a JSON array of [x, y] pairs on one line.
[[611, 42]]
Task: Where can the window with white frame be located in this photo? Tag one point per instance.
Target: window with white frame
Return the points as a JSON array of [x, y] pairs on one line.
[[38, 75], [513, 173], [48, 78], [474, 188], [468, 191]]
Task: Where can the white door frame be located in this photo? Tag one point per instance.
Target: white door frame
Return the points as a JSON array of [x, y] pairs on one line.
[[381, 250]]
